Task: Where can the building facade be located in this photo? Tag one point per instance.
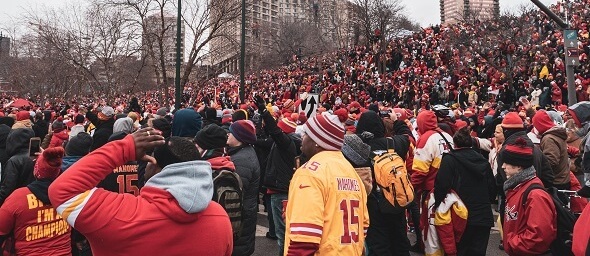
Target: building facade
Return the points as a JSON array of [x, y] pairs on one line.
[[4, 46], [263, 20], [454, 11], [162, 32]]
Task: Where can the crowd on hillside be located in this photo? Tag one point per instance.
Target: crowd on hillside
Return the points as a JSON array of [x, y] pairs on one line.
[[469, 118]]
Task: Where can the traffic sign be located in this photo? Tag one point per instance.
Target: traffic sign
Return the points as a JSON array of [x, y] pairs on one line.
[[309, 103], [573, 52], [571, 45]]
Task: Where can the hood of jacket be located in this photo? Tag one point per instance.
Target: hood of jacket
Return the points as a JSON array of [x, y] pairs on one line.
[[371, 122], [123, 125], [557, 131], [68, 161], [18, 141], [186, 123], [189, 184], [580, 112], [426, 121], [62, 135], [473, 161], [222, 163]]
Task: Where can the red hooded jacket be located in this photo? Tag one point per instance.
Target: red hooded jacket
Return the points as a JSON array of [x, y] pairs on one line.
[[173, 215], [529, 229]]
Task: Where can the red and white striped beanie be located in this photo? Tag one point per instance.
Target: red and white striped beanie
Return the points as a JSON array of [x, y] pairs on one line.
[[326, 130]]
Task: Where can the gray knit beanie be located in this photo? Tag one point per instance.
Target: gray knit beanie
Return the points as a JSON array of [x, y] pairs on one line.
[[355, 150]]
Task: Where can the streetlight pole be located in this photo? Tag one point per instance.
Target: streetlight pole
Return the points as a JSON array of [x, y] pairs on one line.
[[178, 43], [243, 52]]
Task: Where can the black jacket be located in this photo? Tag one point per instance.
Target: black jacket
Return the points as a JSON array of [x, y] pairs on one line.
[[4, 131], [41, 128], [103, 131], [246, 163], [19, 167], [400, 142], [468, 173], [281, 159], [541, 164]]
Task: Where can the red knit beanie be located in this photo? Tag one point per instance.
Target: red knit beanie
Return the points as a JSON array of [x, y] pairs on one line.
[[512, 121], [542, 121], [48, 165], [22, 115], [287, 125], [302, 118]]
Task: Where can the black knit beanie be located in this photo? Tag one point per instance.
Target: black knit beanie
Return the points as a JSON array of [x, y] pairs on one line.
[[211, 137], [79, 145], [163, 126]]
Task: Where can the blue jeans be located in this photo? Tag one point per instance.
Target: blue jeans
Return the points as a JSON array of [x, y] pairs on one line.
[[276, 202]]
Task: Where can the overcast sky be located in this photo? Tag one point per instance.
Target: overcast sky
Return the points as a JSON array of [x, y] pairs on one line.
[[426, 12]]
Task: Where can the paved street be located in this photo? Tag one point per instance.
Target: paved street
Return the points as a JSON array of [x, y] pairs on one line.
[[265, 246]]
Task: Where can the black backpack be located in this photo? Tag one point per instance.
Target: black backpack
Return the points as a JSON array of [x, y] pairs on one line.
[[562, 245], [228, 192]]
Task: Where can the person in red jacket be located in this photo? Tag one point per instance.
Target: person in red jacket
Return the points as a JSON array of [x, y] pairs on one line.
[[173, 214], [38, 229], [529, 227]]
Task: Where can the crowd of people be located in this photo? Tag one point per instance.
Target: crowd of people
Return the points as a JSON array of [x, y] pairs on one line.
[[476, 123]]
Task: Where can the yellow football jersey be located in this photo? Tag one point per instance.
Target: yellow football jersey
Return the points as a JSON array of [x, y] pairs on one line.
[[327, 205]]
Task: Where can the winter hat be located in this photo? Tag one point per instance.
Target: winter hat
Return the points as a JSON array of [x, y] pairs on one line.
[[162, 112], [106, 113], [288, 105], [302, 118], [460, 124], [518, 153], [240, 114], [326, 130], [512, 121], [58, 125], [244, 131], [79, 119], [286, 125], [542, 121], [79, 145], [402, 115], [48, 165], [211, 137], [162, 125], [226, 116], [210, 114], [355, 150], [22, 115], [354, 106]]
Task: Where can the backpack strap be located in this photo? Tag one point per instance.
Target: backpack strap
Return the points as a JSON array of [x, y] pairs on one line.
[[446, 141], [525, 195]]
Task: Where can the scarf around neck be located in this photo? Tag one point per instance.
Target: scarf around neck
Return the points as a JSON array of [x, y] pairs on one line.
[[522, 176]]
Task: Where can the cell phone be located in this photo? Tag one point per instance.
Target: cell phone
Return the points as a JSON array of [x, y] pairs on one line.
[[34, 145], [384, 113]]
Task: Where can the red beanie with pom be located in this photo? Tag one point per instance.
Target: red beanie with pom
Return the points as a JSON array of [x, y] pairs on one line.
[[48, 165]]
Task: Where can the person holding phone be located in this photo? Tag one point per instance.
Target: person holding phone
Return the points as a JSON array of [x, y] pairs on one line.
[[19, 167]]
